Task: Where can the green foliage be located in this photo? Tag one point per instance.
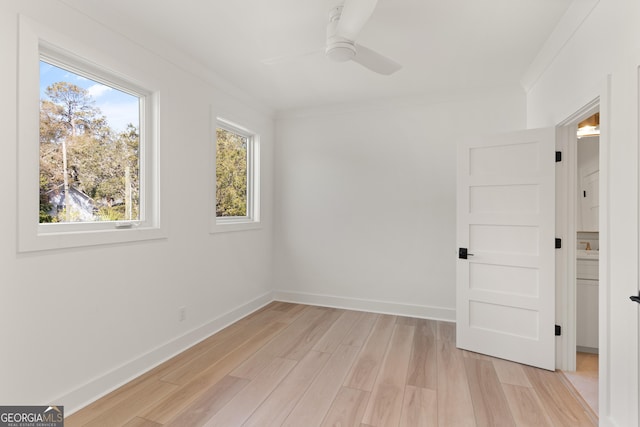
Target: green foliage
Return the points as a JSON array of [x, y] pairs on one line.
[[99, 160], [45, 206], [111, 213], [45, 217], [231, 174]]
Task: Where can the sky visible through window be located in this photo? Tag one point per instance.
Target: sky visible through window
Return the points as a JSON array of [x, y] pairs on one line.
[[119, 107]]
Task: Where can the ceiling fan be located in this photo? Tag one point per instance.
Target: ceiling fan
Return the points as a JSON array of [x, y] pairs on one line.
[[345, 23]]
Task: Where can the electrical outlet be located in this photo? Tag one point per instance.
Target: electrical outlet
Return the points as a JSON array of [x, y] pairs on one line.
[[182, 314]]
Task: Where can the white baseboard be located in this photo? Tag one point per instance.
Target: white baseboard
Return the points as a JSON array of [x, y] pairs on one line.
[[104, 384], [360, 304]]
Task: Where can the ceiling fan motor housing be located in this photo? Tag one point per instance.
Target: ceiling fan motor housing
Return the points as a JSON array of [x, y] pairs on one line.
[[340, 51], [338, 48]]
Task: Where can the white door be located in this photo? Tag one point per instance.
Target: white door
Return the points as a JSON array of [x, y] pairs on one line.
[[505, 290]]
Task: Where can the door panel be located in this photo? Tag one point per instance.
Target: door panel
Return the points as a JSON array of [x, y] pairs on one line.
[[513, 280], [507, 199], [506, 219]]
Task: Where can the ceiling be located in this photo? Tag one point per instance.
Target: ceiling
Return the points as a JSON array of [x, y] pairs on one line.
[[444, 47]]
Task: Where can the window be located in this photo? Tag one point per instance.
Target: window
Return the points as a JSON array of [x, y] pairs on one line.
[[89, 149], [88, 164], [236, 177]]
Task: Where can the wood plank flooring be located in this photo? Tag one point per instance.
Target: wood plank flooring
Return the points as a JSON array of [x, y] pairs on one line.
[[585, 379], [303, 366]]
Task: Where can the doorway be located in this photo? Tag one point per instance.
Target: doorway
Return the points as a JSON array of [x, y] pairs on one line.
[[578, 219], [585, 376]]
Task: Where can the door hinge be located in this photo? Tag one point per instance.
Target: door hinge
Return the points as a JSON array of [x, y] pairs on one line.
[[558, 243], [558, 330], [558, 156]]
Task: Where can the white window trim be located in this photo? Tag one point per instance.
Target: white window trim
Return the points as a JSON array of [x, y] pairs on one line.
[[252, 220], [37, 42]]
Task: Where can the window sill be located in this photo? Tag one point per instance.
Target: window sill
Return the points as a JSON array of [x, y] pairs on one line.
[[31, 242], [229, 225]]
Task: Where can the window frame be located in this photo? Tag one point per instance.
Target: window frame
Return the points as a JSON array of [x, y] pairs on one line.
[[252, 219], [36, 44]]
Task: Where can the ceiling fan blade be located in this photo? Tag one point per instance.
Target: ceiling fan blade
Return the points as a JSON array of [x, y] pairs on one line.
[[375, 61], [355, 13]]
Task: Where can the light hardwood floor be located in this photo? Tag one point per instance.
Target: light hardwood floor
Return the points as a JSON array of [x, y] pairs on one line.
[[585, 378], [302, 366]]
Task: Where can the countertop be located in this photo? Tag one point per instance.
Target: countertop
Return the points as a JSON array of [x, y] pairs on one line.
[[591, 255]]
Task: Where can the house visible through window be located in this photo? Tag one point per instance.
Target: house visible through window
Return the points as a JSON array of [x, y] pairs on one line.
[[234, 159], [89, 149]]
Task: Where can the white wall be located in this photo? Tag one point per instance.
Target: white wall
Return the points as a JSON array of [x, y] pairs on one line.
[[606, 43], [588, 154], [66, 338], [366, 196]]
